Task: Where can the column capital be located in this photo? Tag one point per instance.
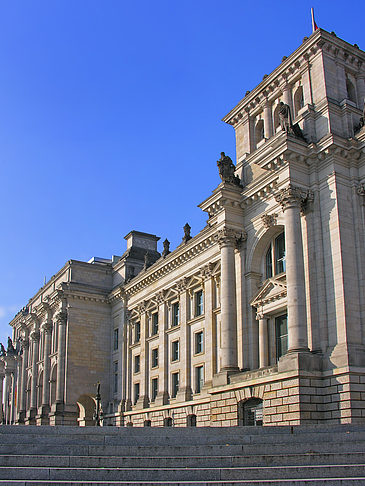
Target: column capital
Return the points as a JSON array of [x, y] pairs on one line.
[[182, 284], [260, 316], [61, 317], [207, 271], [230, 237], [141, 308], [294, 196], [34, 335], [269, 220], [46, 327]]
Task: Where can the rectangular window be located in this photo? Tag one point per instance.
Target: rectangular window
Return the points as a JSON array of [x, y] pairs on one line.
[[199, 378], [174, 384], [154, 390], [198, 342], [136, 393], [175, 350], [198, 303], [280, 254], [137, 332], [281, 332], [154, 358], [115, 369], [154, 329], [115, 339], [175, 314], [137, 362]]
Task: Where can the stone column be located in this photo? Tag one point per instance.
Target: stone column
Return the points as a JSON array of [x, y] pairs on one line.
[[287, 98], [185, 390], [360, 85], [44, 410], [61, 318], [31, 413], [209, 331], [263, 341], [143, 390], [2, 376], [7, 387], [22, 395], [163, 394], [228, 357], [290, 199], [267, 120]]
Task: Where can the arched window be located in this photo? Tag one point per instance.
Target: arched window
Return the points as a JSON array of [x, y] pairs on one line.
[[191, 420], [351, 93], [250, 412], [298, 100], [147, 423], [275, 257], [259, 132], [167, 422]]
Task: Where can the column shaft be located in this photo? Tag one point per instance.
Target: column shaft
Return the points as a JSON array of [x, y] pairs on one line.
[[61, 353], [263, 341], [46, 364], [35, 347], [267, 120], [23, 386]]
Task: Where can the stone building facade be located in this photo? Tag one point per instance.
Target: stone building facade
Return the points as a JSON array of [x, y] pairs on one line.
[[259, 318]]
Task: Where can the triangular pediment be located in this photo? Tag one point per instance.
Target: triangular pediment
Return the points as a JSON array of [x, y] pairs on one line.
[[272, 289]]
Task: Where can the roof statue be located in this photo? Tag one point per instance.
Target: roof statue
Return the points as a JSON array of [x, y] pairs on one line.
[[226, 170]]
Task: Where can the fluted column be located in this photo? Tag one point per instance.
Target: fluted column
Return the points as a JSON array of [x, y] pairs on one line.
[[163, 394], [23, 382], [290, 199], [227, 239], [263, 341], [61, 319], [185, 390], [34, 337], [47, 330]]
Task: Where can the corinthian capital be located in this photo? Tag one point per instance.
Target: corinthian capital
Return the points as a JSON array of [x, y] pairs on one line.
[[230, 237], [34, 335], [46, 327], [61, 317], [294, 196]]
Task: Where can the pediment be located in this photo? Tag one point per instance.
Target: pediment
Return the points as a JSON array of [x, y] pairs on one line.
[[272, 289]]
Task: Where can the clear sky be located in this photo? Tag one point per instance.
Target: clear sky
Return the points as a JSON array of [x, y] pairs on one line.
[[110, 118]]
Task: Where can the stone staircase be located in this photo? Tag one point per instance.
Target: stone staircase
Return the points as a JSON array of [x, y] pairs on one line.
[[306, 455]]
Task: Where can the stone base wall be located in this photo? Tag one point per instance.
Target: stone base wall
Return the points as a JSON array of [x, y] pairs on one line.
[[307, 398]]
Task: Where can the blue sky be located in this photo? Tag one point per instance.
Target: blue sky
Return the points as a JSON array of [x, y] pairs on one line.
[[110, 118]]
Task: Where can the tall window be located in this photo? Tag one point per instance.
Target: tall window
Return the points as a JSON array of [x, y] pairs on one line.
[[198, 342], [154, 323], [137, 332], [154, 388], [115, 370], [115, 339], [175, 350], [298, 100], [174, 384], [136, 393], [175, 314], [154, 358], [276, 254], [199, 378], [281, 332], [259, 131], [199, 303], [137, 363]]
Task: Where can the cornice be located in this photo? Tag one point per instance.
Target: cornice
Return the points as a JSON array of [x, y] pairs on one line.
[[183, 254], [291, 66]]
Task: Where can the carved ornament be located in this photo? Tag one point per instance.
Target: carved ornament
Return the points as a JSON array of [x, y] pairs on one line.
[[294, 196], [207, 271], [160, 297], [34, 335], [269, 220], [182, 284], [361, 190], [230, 237], [61, 317], [47, 327]]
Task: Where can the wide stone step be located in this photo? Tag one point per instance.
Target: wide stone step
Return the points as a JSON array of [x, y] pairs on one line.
[[181, 461], [183, 474], [359, 481]]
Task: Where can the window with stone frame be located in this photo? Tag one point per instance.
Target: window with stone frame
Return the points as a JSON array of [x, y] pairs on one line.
[[154, 324], [275, 257], [137, 363], [351, 91], [198, 342], [154, 358], [154, 389], [298, 100], [175, 314], [115, 339], [174, 384], [199, 303], [199, 378], [136, 393], [137, 332], [281, 335], [115, 370], [175, 350], [259, 132]]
